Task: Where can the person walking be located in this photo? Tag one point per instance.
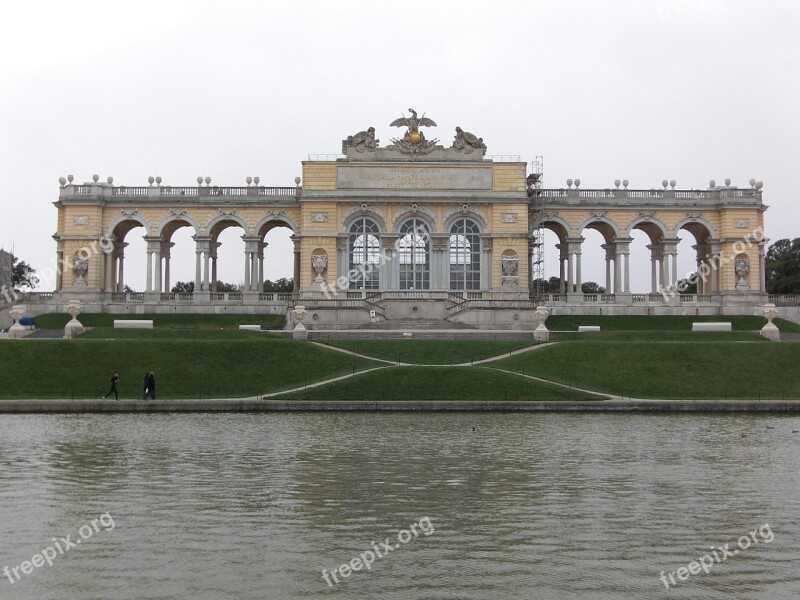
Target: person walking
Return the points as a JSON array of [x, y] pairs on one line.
[[151, 384], [114, 381], [146, 386]]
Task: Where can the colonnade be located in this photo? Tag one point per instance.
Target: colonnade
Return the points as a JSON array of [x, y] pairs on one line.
[[663, 259], [158, 262]]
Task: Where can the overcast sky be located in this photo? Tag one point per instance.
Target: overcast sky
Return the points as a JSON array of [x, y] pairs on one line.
[[639, 89]]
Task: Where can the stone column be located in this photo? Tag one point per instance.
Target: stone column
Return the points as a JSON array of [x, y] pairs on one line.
[[702, 251], [109, 268], [119, 257], [213, 248], [262, 247], [562, 258], [202, 257], [247, 261], [121, 272], [653, 275], [671, 261], [197, 272], [389, 278], [158, 281], [762, 267], [570, 286], [436, 263], [609, 248], [574, 266], [626, 260], [149, 282], [622, 274], [657, 266], [296, 283], [715, 260], [60, 263], [487, 256], [251, 251], [166, 253], [154, 263]]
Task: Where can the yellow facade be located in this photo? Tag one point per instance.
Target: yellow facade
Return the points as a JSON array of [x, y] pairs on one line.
[[435, 186]]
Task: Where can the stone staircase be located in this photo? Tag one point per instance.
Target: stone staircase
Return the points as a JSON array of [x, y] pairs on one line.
[[415, 324]]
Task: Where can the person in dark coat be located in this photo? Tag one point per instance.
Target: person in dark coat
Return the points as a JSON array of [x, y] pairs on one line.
[[151, 384], [146, 386], [114, 381]]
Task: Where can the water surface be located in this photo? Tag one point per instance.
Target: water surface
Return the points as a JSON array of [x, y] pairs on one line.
[[254, 506]]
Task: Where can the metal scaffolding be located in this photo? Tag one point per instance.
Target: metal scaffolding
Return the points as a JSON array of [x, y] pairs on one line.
[[534, 181]]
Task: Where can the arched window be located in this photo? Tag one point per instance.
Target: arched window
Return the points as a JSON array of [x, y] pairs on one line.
[[364, 252], [465, 255], [414, 254]]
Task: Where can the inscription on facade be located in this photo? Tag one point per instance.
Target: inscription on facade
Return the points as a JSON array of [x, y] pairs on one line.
[[414, 178], [81, 220]]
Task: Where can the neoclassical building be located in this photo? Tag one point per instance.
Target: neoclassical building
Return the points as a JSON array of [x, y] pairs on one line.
[[417, 229]]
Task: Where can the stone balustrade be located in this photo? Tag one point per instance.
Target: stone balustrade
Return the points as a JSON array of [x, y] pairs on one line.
[[157, 193], [670, 197]]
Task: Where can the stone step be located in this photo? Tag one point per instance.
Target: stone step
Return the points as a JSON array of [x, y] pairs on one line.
[[419, 334], [415, 324]]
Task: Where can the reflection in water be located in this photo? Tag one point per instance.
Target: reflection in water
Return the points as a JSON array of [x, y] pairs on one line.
[[526, 506]]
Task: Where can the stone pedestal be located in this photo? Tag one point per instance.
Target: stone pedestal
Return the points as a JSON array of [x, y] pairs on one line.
[[16, 331], [770, 330], [299, 332], [74, 328], [541, 333]]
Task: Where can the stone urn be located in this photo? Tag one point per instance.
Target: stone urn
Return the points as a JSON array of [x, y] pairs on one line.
[[80, 266], [510, 267], [319, 262], [300, 332], [74, 327], [770, 330], [16, 331], [742, 267], [541, 333]]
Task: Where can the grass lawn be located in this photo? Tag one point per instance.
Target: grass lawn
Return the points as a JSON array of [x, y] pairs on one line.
[[185, 368], [438, 383], [613, 335], [58, 320], [431, 352], [661, 323], [679, 370], [109, 333]]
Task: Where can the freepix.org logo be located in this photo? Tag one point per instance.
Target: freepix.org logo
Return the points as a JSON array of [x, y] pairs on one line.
[[367, 558], [60, 547]]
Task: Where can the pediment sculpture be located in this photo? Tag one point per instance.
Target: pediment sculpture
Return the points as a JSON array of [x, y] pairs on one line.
[[467, 142], [361, 141]]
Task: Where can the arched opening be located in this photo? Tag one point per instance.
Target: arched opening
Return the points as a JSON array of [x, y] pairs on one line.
[[650, 236], [280, 269], [176, 257], [227, 247], [414, 255], [129, 258], [597, 262], [364, 248], [465, 255], [694, 255], [551, 240], [603, 267], [641, 262]]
